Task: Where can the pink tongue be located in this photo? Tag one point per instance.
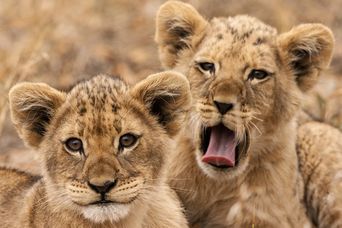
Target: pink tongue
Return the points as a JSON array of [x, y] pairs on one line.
[[221, 149]]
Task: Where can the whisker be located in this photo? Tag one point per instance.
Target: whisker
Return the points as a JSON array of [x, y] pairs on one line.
[[256, 127], [254, 117]]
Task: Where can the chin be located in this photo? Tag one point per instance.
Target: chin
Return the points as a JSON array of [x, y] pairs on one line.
[[112, 212], [220, 155]]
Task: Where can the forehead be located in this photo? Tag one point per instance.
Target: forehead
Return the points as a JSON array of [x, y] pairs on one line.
[[98, 93], [237, 37], [97, 106]]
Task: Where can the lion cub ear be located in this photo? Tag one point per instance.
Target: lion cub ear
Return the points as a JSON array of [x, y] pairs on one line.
[[178, 26], [167, 96], [306, 49], [32, 106]]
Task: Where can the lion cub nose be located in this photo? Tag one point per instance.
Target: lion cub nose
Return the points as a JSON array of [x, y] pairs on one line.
[[103, 189], [223, 108]]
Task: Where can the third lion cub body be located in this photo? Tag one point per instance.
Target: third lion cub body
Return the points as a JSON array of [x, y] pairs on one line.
[[104, 149]]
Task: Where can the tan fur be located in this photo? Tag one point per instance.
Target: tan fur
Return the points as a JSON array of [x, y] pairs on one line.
[[320, 155], [98, 112], [265, 189], [333, 110]]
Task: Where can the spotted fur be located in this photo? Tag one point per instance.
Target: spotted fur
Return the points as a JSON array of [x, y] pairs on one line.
[[266, 188], [99, 112]]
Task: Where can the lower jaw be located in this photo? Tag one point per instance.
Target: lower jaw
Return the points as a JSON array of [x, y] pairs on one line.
[[102, 203], [219, 169], [112, 213], [222, 168]]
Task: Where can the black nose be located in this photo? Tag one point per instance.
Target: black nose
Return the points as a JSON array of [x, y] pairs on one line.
[[106, 187], [223, 107]]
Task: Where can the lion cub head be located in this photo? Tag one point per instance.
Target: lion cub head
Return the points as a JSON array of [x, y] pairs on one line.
[[103, 145], [246, 80]]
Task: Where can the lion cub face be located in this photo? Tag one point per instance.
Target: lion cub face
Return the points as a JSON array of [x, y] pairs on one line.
[[246, 80], [103, 144]]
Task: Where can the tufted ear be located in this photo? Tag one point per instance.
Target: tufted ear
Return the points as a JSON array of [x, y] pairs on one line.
[[167, 96], [178, 26], [306, 49], [32, 106]]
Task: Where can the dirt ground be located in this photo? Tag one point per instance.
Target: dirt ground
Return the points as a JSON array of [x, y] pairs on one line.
[[63, 41]]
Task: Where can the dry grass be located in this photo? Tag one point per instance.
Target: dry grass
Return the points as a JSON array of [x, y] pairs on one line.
[[63, 41]]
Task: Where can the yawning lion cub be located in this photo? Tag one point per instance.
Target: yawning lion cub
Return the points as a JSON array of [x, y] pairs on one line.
[[236, 163]]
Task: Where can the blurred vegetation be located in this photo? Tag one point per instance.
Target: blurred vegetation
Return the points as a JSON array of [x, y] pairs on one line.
[[62, 41]]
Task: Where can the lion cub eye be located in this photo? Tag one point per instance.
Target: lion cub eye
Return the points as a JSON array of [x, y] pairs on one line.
[[127, 140], [73, 145], [207, 67], [257, 74]]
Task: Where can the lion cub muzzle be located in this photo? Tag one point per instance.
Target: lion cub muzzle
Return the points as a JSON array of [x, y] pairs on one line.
[[222, 147], [103, 189]]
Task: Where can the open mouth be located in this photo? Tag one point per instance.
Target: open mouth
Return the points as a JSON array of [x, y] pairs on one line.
[[220, 147]]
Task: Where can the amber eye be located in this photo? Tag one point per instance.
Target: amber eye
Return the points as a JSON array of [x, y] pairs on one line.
[[257, 74], [206, 66], [74, 145], [127, 140]]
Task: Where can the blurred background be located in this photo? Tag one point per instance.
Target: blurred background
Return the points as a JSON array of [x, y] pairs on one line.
[[63, 41]]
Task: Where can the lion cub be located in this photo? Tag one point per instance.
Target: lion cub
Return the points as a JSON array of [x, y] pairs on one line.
[[238, 165], [104, 149]]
